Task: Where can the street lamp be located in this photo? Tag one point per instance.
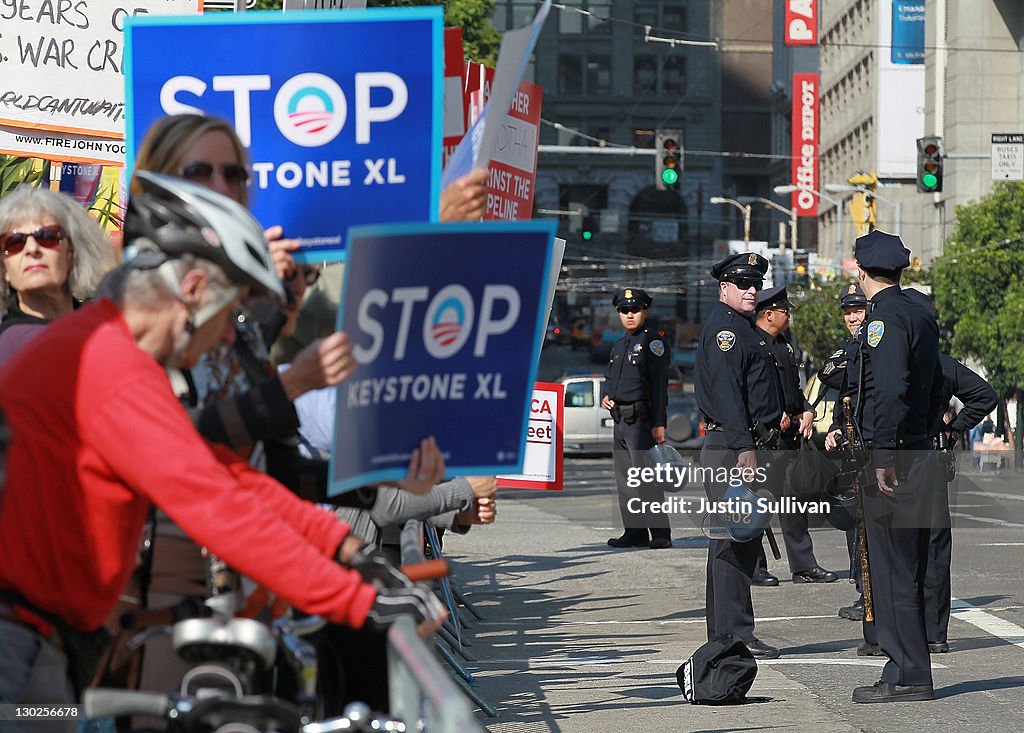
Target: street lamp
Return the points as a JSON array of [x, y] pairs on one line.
[[791, 213], [847, 188], [746, 214], [780, 190]]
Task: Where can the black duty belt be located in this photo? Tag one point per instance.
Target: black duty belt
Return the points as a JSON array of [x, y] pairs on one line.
[[714, 427]]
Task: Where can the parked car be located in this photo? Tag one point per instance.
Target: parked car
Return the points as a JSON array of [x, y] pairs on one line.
[[588, 427], [555, 334]]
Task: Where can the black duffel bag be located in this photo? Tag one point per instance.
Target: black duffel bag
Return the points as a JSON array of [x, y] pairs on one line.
[[808, 472], [719, 672]]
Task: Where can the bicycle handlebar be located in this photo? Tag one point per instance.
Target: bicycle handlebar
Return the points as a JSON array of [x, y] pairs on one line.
[[104, 702], [426, 570]]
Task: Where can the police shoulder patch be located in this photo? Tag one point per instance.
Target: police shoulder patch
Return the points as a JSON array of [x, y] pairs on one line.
[[726, 340], [876, 329], [829, 368], [657, 347]]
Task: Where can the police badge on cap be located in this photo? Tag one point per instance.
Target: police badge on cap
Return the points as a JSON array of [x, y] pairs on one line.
[[851, 296], [741, 266], [631, 298]]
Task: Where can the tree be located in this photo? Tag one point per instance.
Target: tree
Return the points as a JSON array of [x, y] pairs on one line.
[[979, 291], [817, 318]]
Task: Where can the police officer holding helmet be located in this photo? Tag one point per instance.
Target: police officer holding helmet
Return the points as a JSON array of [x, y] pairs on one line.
[[738, 391], [637, 397]]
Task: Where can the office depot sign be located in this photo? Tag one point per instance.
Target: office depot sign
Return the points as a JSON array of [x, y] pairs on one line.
[[801, 23], [805, 124]]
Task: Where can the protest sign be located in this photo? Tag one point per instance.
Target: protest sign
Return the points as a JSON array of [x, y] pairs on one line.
[[60, 62], [513, 168], [63, 146], [542, 468], [454, 107], [445, 322], [340, 128]]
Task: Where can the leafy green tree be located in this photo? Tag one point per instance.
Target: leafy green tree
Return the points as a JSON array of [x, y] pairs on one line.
[[817, 319], [979, 291]]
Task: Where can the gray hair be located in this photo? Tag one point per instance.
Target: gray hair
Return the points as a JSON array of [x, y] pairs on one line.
[[148, 288], [94, 254]]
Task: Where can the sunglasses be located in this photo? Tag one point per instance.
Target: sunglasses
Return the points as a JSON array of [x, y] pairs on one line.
[[309, 274], [746, 284], [630, 309], [50, 237], [235, 174]]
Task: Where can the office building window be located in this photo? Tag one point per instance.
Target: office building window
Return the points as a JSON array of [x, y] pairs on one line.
[[599, 75], [645, 75], [595, 20], [673, 17], [673, 75], [643, 138], [570, 74]]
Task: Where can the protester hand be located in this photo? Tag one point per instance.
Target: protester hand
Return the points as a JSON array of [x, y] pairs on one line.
[[376, 569], [483, 486], [806, 426], [784, 422], [607, 403], [466, 198], [323, 363], [426, 468], [832, 439], [280, 249], [349, 549], [747, 460], [886, 478], [483, 511], [414, 601], [658, 433]]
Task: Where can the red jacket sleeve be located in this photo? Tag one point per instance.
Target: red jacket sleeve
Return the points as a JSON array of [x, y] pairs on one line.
[[253, 524]]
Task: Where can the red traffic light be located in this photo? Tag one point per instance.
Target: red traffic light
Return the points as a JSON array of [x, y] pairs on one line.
[[670, 144]]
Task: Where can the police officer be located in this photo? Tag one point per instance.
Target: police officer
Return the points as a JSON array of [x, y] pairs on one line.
[[737, 387], [637, 397], [896, 412], [833, 375], [797, 422]]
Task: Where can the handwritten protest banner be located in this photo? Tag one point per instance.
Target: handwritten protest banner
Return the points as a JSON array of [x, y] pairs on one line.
[[60, 62]]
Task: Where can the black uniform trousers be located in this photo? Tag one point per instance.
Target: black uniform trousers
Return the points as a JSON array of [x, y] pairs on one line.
[[630, 443], [730, 564], [897, 534], [799, 548]]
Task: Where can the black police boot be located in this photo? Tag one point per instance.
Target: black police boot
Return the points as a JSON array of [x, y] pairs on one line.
[[661, 539], [938, 647], [854, 612], [631, 538], [870, 650], [817, 574], [760, 650], [764, 579], [889, 692]]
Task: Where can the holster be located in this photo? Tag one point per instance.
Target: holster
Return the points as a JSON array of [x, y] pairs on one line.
[[765, 438], [631, 412]]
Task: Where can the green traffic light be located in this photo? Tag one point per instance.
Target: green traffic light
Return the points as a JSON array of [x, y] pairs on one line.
[[929, 180], [669, 176], [588, 235]]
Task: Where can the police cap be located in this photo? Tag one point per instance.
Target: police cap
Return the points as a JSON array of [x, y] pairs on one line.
[[631, 297], [851, 296], [741, 266], [879, 251], [773, 298]]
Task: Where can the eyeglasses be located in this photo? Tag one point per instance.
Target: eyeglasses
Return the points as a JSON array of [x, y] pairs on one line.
[[235, 174], [50, 237], [630, 309], [784, 311], [309, 274], [746, 283]]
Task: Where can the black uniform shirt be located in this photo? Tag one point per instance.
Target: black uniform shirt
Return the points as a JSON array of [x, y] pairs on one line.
[[833, 371], [736, 380], [966, 385], [638, 371], [793, 400], [901, 352]]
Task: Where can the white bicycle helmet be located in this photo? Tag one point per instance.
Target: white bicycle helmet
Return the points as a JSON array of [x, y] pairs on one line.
[[180, 217]]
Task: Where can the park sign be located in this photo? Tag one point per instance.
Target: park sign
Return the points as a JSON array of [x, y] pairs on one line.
[[446, 323], [341, 130]]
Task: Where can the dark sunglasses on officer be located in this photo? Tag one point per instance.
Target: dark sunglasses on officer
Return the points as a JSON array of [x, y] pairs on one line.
[[626, 309], [745, 283]]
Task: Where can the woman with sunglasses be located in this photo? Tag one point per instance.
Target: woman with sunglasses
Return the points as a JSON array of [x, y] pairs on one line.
[[52, 256]]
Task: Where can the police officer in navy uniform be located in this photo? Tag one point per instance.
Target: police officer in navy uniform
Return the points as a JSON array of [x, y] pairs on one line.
[[738, 391], [637, 397], [900, 402], [773, 319]]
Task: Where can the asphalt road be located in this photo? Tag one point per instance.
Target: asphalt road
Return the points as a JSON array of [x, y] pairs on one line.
[[580, 637]]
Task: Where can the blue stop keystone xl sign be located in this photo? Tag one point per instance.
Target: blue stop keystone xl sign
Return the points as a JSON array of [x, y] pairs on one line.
[[446, 323], [340, 110]]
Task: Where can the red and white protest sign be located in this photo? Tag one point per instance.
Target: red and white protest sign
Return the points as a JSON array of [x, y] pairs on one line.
[[542, 468], [454, 122], [513, 168], [801, 23], [805, 143], [477, 90]]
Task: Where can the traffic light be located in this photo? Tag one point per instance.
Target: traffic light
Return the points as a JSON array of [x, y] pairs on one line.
[[668, 159], [929, 164]]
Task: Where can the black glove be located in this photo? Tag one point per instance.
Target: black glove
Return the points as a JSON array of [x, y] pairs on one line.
[[414, 601], [376, 569]]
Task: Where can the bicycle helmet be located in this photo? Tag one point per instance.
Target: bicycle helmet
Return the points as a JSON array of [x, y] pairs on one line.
[[180, 217]]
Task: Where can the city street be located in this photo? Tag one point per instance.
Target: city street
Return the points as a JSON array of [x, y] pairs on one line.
[[580, 637]]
